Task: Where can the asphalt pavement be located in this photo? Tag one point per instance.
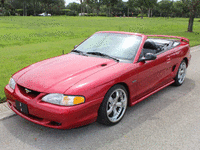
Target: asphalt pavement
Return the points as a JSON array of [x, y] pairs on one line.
[[169, 119]]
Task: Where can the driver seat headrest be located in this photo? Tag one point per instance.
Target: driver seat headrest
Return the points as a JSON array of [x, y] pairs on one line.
[[150, 45]]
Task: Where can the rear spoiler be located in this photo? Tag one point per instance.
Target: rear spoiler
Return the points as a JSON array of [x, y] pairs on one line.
[[182, 39]]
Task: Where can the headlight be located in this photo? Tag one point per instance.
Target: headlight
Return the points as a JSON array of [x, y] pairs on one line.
[[64, 100], [12, 83]]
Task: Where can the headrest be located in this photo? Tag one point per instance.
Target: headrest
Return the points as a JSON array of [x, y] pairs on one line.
[[150, 45]]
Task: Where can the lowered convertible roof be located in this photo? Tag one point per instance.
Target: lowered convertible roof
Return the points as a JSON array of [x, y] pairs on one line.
[[121, 32]]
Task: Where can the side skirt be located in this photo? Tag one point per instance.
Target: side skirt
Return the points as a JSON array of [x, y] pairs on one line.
[[139, 100]]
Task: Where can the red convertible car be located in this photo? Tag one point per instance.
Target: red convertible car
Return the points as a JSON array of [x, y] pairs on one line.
[[98, 79]]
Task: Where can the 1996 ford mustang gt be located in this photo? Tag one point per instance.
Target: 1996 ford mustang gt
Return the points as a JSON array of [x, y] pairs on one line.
[[98, 79]]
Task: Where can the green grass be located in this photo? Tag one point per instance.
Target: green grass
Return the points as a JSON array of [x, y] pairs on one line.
[[25, 40]]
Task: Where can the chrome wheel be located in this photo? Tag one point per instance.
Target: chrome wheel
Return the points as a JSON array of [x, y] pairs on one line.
[[113, 106], [180, 76], [182, 72], [116, 105]]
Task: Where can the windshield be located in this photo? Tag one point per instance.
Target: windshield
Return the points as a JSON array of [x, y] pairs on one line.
[[122, 46]]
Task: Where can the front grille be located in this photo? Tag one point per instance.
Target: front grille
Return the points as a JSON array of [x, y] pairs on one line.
[[28, 92]]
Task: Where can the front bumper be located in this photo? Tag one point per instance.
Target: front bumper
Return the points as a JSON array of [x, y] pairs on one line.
[[50, 115]]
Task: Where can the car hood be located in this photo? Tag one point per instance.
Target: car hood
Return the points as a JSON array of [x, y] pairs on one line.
[[70, 68]]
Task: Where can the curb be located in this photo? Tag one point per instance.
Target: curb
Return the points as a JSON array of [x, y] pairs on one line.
[[5, 111]]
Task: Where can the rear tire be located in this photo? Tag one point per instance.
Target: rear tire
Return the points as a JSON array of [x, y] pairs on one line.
[[180, 76], [114, 105]]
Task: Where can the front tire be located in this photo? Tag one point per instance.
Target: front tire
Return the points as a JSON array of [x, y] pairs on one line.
[[114, 105], [180, 76]]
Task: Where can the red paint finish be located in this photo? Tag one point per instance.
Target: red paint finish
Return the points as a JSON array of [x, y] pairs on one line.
[[91, 77]]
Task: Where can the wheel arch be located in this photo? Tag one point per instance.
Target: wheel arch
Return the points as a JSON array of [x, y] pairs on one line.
[[125, 86], [101, 111]]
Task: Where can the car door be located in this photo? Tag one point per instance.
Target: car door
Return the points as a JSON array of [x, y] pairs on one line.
[[153, 74], [169, 66]]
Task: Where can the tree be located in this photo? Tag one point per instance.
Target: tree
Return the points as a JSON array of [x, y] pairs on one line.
[[150, 4], [34, 7], [141, 5], [91, 4], [179, 10], [120, 8], [145, 5], [110, 4], [47, 4], [95, 4], [6, 8], [2, 6], [193, 6], [165, 8], [74, 9], [130, 5], [73, 6], [2, 3], [81, 1]]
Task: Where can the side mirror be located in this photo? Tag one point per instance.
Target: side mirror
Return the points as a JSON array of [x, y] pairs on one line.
[[148, 56], [75, 46]]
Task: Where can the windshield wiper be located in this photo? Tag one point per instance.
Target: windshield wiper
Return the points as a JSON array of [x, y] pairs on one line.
[[102, 54], [80, 52]]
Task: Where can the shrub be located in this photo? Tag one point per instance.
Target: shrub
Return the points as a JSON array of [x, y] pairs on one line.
[[19, 11], [102, 14], [72, 13], [64, 11], [144, 15]]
